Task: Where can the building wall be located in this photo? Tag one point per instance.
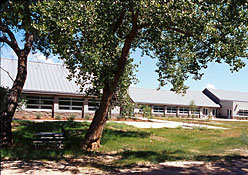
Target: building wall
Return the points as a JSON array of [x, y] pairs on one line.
[[80, 107], [176, 112], [237, 106], [225, 107]]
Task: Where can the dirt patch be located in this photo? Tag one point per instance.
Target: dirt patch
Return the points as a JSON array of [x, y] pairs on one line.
[[158, 138], [88, 165]]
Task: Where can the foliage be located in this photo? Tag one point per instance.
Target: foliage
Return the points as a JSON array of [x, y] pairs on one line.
[[192, 107], [38, 115], [71, 117], [58, 117], [146, 111], [21, 102], [87, 117], [183, 35]]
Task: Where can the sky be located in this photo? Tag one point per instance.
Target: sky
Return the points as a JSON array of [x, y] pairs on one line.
[[216, 76]]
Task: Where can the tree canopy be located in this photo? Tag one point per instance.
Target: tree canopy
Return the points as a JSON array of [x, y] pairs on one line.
[[183, 35]]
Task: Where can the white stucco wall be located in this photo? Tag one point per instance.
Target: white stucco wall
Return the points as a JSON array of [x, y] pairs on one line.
[[239, 105]]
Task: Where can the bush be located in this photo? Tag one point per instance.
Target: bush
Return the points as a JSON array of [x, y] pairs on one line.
[[87, 117], [58, 117], [38, 116], [71, 117], [146, 111]]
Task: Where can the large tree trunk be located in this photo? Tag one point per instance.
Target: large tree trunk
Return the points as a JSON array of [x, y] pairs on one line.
[[12, 102], [93, 135]]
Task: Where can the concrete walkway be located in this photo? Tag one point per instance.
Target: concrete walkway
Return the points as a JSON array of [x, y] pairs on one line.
[[151, 123], [155, 123]]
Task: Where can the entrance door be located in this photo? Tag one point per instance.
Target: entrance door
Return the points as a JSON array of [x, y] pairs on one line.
[[229, 113]]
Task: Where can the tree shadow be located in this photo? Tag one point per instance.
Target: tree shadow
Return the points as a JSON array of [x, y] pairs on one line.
[[24, 134]]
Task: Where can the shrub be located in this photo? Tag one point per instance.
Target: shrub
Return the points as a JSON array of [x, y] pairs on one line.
[[38, 116], [87, 117], [119, 117], [58, 117], [71, 117], [146, 111]]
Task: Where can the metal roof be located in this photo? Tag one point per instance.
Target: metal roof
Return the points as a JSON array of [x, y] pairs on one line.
[[229, 95], [42, 77], [165, 97]]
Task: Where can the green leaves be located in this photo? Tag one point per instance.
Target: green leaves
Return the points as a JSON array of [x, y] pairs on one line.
[[183, 35]]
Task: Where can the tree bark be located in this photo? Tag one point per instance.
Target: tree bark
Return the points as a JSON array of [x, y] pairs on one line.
[[93, 136], [6, 138]]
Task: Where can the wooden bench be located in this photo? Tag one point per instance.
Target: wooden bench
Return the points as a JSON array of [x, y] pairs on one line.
[[49, 140]]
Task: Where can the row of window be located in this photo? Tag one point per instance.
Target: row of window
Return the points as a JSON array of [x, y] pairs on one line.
[[43, 102], [173, 110], [243, 112]]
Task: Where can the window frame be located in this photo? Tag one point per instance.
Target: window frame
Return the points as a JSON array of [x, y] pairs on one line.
[[160, 109], [92, 108], [171, 110], [40, 105], [70, 106], [183, 110], [244, 112]]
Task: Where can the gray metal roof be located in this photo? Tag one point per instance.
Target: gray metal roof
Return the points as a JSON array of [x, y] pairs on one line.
[[165, 97], [229, 95], [42, 77]]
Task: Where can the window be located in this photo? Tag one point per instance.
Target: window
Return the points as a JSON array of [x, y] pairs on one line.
[[243, 112], [71, 103], [39, 102], [158, 109], [205, 111], [171, 110], [183, 110], [93, 105], [214, 112]]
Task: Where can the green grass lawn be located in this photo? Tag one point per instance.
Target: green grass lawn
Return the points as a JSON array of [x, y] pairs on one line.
[[132, 145]]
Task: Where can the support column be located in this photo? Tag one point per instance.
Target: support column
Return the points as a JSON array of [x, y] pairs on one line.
[[85, 107], [201, 112], [55, 107], [177, 111], [165, 110]]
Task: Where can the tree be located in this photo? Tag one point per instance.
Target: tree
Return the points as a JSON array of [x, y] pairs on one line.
[[192, 107], [16, 17], [95, 39]]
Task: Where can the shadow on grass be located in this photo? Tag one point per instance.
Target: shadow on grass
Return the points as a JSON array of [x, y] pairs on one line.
[[24, 134]]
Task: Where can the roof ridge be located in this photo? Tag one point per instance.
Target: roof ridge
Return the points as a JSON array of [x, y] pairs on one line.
[[32, 61], [227, 90]]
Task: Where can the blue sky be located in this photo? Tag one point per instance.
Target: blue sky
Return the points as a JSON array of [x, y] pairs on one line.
[[216, 75]]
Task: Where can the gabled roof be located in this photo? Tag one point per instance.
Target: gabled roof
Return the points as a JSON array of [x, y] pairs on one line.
[[165, 97], [41, 77], [225, 95]]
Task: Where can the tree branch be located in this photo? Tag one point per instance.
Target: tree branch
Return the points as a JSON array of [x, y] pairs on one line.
[[5, 40], [120, 19], [189, 35], [13, 43], [29, 42], [7, 73]]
